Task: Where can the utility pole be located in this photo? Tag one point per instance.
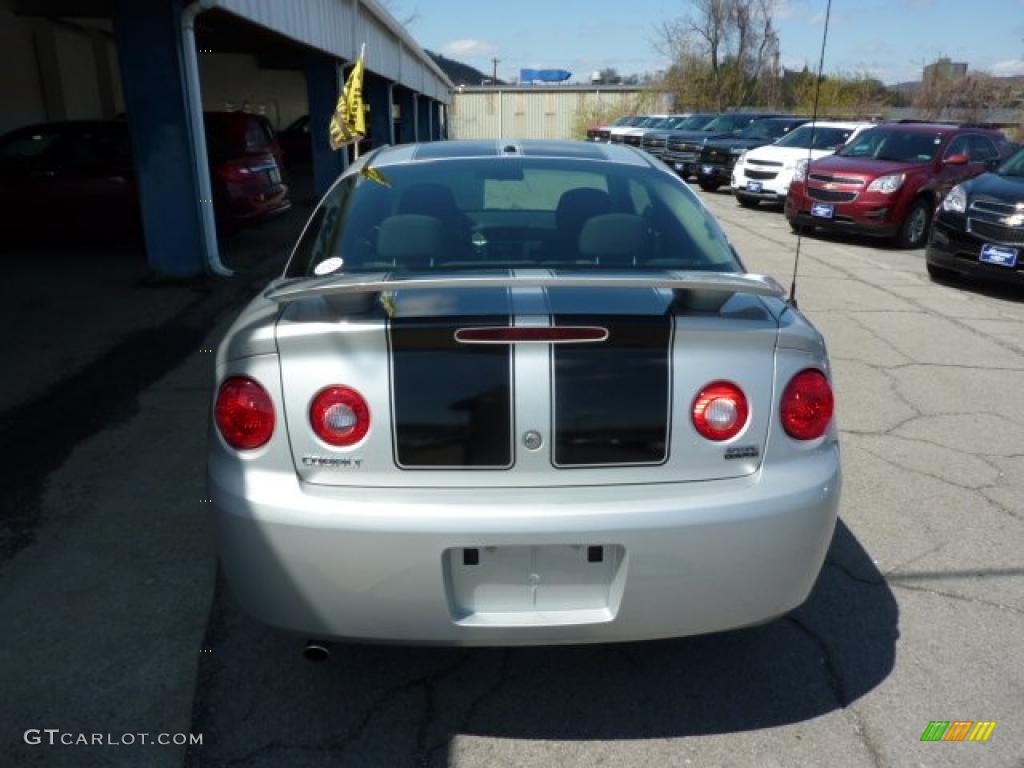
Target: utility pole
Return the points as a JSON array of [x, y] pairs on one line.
[[494, 74]]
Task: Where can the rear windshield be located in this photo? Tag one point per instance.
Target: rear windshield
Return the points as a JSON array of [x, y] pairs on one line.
[[510, 213], [894, 144], [808, 137]]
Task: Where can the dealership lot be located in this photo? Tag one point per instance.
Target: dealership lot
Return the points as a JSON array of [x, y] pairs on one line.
[[918, 614]]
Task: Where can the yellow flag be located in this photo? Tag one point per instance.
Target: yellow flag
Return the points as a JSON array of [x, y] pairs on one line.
[[348, 124]]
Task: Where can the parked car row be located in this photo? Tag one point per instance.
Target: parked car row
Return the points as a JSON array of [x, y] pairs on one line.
[[959, 188], [79, 176]]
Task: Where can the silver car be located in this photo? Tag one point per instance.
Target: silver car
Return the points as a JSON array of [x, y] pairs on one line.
[[511, 393]]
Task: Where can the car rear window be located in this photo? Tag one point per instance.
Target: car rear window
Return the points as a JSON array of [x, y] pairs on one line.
[[894, 144], [511, 213]]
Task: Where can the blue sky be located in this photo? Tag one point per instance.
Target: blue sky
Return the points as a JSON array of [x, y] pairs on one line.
[[890, 39]]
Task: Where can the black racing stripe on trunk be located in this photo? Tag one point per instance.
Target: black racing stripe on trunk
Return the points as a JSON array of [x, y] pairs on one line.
[[612, 400], [452, 403]]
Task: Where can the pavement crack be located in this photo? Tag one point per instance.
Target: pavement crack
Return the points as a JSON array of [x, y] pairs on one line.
[[833, 675], [426, 754], [895, 583], [379, 705]]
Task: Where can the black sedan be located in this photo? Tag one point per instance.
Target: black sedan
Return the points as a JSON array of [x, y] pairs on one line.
[[979, 227], [719, 155]]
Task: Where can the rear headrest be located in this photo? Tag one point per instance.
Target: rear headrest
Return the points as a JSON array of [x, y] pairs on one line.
[[575, 206], [613, 237], [410, 240]]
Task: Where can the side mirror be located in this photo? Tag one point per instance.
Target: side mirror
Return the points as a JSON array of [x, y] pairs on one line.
[[959, 159], [840, 145]]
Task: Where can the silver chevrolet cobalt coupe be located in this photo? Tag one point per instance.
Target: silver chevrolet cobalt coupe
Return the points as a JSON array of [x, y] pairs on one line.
[[520, 393]]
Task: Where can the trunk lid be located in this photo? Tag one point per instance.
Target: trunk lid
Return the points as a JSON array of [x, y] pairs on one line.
[[448, 413]]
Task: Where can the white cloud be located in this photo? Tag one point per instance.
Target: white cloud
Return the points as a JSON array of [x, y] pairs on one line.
[[1008, 67], [469, 48]]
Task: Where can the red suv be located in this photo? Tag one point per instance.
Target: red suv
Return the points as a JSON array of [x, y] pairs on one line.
[[888, 180]]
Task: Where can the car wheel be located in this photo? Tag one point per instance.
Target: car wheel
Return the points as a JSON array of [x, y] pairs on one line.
[[748, 202], [709, 186], [914, 230]]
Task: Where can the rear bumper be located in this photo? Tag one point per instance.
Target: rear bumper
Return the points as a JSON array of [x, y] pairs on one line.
[[380, 564]]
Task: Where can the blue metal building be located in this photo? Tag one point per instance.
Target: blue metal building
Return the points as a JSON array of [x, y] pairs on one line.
[[157, 49]]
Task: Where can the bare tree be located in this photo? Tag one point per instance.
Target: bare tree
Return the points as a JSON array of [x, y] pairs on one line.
[[724, 53], [962, 98]]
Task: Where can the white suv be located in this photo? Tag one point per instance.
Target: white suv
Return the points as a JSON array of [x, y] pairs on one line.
[[765, 173]]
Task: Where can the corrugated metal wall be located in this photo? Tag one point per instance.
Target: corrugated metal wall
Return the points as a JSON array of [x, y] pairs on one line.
[[542, 113], [334, 26]]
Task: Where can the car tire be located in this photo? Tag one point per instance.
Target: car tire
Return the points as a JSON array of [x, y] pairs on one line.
[[709, 186], [914, 230], [748, 202]]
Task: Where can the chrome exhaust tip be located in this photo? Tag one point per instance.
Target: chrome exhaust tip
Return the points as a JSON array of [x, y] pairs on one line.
[[316, 651]]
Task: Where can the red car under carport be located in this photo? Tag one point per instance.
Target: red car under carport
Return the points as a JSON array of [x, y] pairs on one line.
[[79, 176]]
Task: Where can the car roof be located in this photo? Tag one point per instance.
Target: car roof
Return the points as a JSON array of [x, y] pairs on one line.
[[924, 127], [841, 123], [464, 149]]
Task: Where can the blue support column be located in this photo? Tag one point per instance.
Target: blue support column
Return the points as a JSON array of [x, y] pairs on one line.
[[406, 128], [148, 39], [436, 107], [322, 93], [378, 97], [443, 111], [423, 103]]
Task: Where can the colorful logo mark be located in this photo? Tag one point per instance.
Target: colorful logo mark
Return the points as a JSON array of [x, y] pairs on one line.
[[958, 730]]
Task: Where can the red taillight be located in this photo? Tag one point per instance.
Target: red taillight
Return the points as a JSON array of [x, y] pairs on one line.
[[720, 411], [244, 413], [340, 416], [235, 171], [806, 407]]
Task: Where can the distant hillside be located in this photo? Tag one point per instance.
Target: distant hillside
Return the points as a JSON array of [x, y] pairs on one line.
[[459, 73]]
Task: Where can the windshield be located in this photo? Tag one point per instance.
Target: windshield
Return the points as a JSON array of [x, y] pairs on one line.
[[624, 120], [894, 144], [1014, 166], [507, 213], [809, 137], [728, 123], [765, 129], [695, 123]]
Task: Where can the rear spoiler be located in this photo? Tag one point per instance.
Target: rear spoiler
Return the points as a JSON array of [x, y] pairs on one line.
[[698, 282]]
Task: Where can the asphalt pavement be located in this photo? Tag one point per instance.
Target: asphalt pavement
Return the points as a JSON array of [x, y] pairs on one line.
[[114, 620]]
